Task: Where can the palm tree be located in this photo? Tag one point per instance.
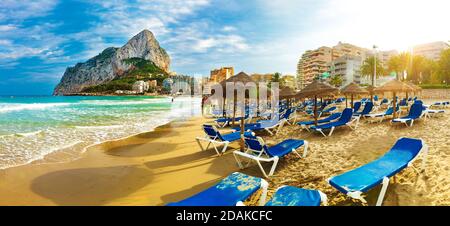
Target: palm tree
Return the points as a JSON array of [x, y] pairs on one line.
[[336, 81], [367, 68], [399, 63]]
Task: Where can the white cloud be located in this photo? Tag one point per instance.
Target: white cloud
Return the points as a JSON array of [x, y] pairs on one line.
[[13, 10]]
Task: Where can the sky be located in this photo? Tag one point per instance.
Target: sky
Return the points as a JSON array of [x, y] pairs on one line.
[[39, 39]]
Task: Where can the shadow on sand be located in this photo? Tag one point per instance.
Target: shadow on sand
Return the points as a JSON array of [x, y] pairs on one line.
[[91, 186]]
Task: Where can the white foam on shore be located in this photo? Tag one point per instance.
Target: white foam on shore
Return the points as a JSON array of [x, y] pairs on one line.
[[23, 148], [4, 108]]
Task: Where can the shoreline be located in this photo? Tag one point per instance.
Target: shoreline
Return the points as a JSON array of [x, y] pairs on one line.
[[119, 172]]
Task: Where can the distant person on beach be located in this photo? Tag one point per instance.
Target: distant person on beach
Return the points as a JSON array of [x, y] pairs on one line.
[[172, 99]]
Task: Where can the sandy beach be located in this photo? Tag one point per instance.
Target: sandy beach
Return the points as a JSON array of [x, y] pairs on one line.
[[167, 165]]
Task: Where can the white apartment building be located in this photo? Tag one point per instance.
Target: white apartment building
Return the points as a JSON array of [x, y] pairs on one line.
[[348, 67], [431, 50]]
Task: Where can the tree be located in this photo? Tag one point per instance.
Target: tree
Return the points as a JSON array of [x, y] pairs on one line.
[[276, 77], [421, 69], [336, 81], [443, 66], [399, 63], [368, 66]]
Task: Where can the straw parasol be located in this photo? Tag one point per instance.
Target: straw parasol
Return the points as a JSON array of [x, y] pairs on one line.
[[414, 86], [394, 86], [316, 89], [286, 93], [352, 89], [372, 91], [243, 78]]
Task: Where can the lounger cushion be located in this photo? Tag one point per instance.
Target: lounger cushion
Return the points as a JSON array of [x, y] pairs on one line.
[[233, 136], [325, 120], [368, 176], [228, 119], [234, 188], [292, 196], [329, 125], [284, 147]]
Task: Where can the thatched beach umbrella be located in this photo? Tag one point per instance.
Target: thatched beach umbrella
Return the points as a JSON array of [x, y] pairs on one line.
[[286, 93], [243, 78], [414, 86], [352, 89], [394, 86], [316, 89]]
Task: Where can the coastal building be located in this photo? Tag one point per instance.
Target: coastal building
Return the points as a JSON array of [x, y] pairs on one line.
[[431, 50], [140, 87], [342, 49], [261, 77], [289, 81], [348, 67], [312, 64], [218, 75]]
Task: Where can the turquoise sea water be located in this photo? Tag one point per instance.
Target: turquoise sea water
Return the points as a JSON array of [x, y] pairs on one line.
[[33, 127]]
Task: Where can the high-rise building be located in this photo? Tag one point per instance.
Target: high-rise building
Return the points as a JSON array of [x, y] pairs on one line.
[[342, 49], [431, 50], [348, 67], [312, 64], [218, 75]]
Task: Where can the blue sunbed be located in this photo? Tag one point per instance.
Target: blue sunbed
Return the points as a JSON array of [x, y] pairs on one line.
[[230, 191], [328, 119], [366, 110], [362, 179], [258, 151], [344, 120], [415, 113], [293, 196], [214, 137], [356, 106], [271, 126]]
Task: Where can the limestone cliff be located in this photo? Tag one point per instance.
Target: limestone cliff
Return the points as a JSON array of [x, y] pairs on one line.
[[111, 63]]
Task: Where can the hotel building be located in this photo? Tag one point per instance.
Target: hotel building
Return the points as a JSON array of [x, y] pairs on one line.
[[431, 50], [348, 67], [218, 75]]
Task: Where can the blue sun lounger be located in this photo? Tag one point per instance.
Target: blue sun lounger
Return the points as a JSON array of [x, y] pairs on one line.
[[381, 116], [271, 126], [259, 152], [293, 196], [214, 137], [230, 191], [344, 120], [356, 106], [222, 122], [366, 110], [415, 113], [307, 124], [360, 180]]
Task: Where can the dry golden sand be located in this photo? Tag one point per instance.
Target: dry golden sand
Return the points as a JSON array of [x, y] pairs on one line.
[[166, 165], [347, 149]]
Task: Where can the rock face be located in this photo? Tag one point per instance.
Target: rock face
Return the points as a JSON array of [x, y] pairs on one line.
[[110, 64]]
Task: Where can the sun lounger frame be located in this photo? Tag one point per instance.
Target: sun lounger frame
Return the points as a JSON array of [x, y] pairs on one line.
[[264, 157], [385, 183]]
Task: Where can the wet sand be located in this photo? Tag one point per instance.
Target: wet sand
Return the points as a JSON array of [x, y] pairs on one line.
[[167, 165]]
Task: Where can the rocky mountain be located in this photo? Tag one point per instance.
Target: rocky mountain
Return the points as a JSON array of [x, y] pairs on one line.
[[112, 63]]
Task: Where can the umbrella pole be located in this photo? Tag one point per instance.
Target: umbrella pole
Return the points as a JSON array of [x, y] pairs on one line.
[[346, 102], [241, 143], [394, 107], [234, 110], [351, 103], [315, 110]]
